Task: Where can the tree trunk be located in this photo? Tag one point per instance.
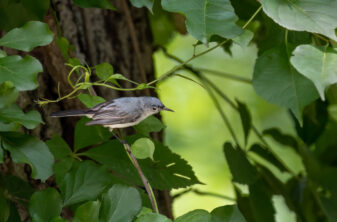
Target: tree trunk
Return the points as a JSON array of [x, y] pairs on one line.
[[122, 38]]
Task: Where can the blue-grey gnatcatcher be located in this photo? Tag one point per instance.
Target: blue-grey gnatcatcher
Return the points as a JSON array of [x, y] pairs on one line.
[[118, 113]]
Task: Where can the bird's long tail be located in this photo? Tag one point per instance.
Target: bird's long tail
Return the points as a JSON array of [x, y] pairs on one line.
[[79, 112]]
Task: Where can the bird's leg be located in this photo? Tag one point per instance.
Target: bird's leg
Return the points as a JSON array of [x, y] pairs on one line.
[[117, 136]]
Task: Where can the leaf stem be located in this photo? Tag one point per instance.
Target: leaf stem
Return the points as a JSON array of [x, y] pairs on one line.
[[145, 181]]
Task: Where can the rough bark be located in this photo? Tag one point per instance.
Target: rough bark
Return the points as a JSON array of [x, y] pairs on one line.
[[98, 36]]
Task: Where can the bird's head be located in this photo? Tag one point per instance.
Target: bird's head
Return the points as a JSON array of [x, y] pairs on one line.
[[153, 105]]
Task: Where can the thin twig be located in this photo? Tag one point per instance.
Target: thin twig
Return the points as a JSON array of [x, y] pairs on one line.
[[145, 181], [203, 193], [225, 75]]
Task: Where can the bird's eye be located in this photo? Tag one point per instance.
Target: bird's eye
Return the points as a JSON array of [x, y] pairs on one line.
[[154, 108]]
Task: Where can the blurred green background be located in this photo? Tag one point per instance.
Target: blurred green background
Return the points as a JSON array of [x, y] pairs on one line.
[[196, 131]]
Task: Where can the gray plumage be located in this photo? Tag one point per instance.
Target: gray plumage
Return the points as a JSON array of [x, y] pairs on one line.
[[118, 113]]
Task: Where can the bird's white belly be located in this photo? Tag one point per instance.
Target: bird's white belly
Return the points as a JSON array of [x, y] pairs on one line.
[[124, 125]]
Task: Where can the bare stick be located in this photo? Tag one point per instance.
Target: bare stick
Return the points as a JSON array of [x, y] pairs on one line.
[[145, 181]]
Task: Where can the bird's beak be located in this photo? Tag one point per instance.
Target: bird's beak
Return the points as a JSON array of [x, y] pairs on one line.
[[167, 109]]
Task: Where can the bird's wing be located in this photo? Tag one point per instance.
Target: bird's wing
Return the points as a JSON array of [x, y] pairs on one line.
[[108, 118]]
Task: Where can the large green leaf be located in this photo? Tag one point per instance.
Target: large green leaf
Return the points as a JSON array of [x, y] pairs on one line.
[[153, 217], [168, 170], [30, 150], [195, 216], [25, 38], [17, 187], [143, 3], [8, 94], [306, 15], [83, 182], [104, 4], [241, 169], [14, 114], [104, 70], [17, 13], [205, 18], [87, 212], [318, 65], [45, 204], [5, 208], [276, 81], [120, 204], [229, 213], [89, 135], [22, 72]]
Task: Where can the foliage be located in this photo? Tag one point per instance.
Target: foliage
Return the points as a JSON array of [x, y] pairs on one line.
[[95, 177]]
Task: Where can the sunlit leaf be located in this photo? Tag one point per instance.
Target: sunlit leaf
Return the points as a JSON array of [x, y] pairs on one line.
[[27, 37], [317, 16], [318, 65], [205, 18], [143, 148], [22, 72], [104, 70], [45, 204], [120, 204]]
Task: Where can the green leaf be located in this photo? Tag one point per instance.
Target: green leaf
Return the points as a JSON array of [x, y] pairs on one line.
[[246, 119], [104, 70], [58, 147], [205, 18], [5, 208], [195, 216], [168, 170], [16, 13], [242, 170], [332, 109], [317, 16], [104, 4], [32, 34], [143, 3], [276, 81], [120, 204], [62, 167], [89, 135], [17, 187], [2, 155], [148, 125], [22, 72], [278, 136], [153, 217], [30, 150], [229, 213], [143, 148], [87, 212], [83, 183], [14, 114], [89, 100], [260, 201], [318, 65], [244, 39], [44, 205], [64, 46], [58, 219], [8, 94], [267, 155]]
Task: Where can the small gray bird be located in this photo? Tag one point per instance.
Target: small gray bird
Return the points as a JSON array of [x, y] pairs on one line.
[[118, 113]]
